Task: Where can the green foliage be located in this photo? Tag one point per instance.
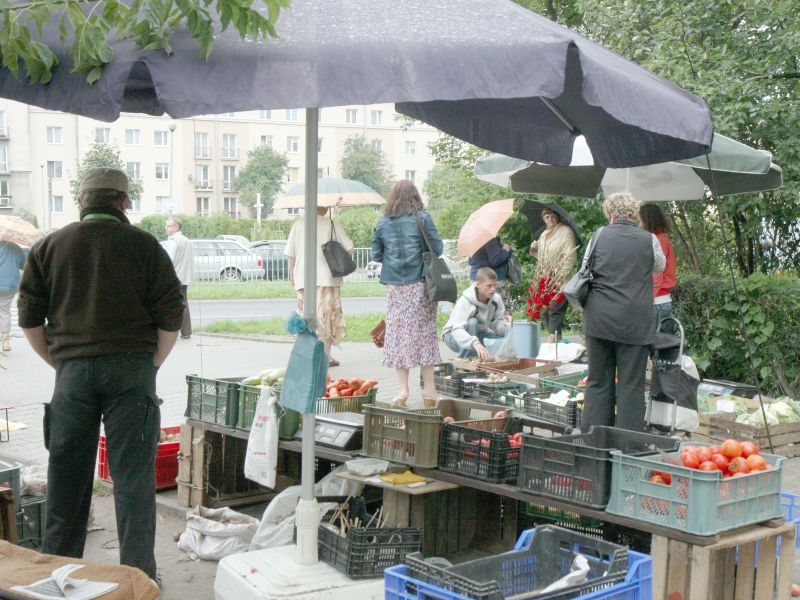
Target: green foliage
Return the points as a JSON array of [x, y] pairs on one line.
[[709, 309], [359, 223], [264, 173], [28, 216], [92, 27], [197, 227], [103, 155], [254, 290], [361, 162]]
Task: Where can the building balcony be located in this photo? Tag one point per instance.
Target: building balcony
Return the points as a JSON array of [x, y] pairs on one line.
[[203, 152], [4, 132], [5, 202], [203, 184], [4, 170], [227, 186], [230, 154]]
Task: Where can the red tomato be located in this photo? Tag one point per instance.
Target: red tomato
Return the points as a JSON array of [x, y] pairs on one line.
[[703, 453], [738, 465], [666, 477], [689, 460], [756, 462], [749, 448], [656, 479], [692, 449], [715, 450], [708, 466], [731, 448], [721, 461]]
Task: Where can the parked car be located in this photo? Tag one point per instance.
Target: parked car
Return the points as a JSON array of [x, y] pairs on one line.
[[276, 263], [239, 239], [226, 260], [373, 270]]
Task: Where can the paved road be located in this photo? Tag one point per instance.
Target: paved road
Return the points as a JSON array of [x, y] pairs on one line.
[[205, 312]]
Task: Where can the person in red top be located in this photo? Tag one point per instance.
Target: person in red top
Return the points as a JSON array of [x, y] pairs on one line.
[[653, 220]]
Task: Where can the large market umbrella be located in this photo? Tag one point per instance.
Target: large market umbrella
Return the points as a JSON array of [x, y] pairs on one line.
[[483, 225], [532, 209], [735, 169], [332, 192], [18, 231], [490, 73]]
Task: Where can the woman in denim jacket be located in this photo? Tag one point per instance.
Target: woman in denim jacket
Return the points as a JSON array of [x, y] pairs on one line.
[[411, 338]]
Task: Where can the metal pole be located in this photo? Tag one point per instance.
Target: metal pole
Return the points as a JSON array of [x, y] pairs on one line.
[[44, 199], [307, 513], [172, 175]]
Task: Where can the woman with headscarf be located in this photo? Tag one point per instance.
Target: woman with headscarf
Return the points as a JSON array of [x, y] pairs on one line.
[[555, 253], [618, 322]]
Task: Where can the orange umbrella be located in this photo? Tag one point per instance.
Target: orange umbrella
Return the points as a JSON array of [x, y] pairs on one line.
[[19, 231], [483, 225]]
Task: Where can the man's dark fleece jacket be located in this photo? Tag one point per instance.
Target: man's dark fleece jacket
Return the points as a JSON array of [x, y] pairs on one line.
[[103, 286]]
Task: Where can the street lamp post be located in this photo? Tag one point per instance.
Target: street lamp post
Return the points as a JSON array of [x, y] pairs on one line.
[[172, 127], [47, 190]]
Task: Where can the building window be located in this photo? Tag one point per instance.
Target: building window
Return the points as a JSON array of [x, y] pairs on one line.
[[202, 149], [291, 114], [228, 145], [3, 126], [102, 135], [163, 204], [411, 148], [411, 176], [56, 204], [292, 143], [265, 115], [4, 188], [136, 205], [134, 170], [162, 170], [201, 179], [320, 173], [320, 145], [55, 135], [230, 206], [351, 115], [375, 117], [266, 140], [230, 115], [319, 115], [294, 174], [202, 207], [54, 169], [292, 211], [132, 137], [4, 157], [377, 145], [161, 137], [228, 176]]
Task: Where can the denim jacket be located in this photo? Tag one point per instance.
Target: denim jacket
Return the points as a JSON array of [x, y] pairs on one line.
[[398, 244]]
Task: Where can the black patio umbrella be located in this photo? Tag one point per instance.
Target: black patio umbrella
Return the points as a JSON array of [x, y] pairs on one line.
[[532, 209], [491, 73]]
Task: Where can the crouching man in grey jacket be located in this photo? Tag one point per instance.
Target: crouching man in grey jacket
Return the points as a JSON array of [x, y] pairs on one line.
[[479, 313]]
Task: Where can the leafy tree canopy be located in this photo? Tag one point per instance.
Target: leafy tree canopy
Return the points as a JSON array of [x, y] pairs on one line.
[[103, 155], [93, 26], [361, 162], [264, 173]]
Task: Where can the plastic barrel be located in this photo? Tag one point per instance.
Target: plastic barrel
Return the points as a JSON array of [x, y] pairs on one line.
[[525, 335]]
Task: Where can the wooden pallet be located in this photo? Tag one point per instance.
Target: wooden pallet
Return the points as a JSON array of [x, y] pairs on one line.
[[727, 570], [718, 427]]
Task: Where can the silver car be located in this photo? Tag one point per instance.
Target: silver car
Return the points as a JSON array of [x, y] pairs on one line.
[[225, 260]]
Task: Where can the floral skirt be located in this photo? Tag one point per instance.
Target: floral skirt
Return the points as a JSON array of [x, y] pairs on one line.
[[411, 339], [330, 319]]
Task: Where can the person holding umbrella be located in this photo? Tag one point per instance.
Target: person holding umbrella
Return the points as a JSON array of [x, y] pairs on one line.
[[555, 253]]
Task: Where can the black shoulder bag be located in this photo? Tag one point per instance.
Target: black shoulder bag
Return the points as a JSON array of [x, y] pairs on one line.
[[439, 281], [339, 260], [577, 288]]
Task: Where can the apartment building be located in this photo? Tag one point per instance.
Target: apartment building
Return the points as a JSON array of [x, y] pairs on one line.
[[186, 165]]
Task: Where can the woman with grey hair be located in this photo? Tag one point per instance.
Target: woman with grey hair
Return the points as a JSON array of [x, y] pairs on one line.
[[618, 319]]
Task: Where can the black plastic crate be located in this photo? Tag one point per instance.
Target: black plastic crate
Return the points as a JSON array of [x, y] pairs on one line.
[[366, 551], [530, 515], [542, 555], [486, 390], [447, 379], [31, 520], [480, 449], [637, 540], [577, 468]]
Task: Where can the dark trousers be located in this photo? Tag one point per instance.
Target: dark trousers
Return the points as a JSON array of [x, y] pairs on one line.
[[120, 390], [606, 360], [554, 316], [186, 324]]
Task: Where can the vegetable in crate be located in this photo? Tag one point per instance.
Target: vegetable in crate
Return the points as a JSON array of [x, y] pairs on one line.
[[732, 458], [352, 387]]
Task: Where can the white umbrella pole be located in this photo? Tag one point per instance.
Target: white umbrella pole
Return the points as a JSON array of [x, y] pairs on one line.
[[307, 514]]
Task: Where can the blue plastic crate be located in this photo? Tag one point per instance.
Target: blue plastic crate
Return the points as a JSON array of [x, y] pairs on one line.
[[638, 584], [791, 512]]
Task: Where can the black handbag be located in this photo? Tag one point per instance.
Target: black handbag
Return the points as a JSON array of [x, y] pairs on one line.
[[513, 270], [339, 260], [577, 288], [439, 281]]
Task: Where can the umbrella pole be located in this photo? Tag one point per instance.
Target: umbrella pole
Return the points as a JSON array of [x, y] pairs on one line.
[[307, 513]]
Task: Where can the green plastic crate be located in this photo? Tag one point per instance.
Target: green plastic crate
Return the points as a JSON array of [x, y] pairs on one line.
[[567, 382], [213, 401], [248, 399], [31, 520], [697, 502], [354, 404], [402, 436]]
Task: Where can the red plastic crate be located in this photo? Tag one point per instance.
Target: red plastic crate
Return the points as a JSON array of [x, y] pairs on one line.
[[166, 460]]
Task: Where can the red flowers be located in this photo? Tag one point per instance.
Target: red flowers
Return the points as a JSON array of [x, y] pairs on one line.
[[542, 294]]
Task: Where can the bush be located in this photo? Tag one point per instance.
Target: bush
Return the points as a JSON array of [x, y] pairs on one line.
[[709, 311], [197, 227]]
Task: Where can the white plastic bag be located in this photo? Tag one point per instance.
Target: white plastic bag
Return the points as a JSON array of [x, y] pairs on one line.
[[213, 533], [561, 352], [502, 348], [261, 460], [577, 575]]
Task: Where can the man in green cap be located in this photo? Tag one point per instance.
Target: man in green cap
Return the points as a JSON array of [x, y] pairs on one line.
[[99, 301]]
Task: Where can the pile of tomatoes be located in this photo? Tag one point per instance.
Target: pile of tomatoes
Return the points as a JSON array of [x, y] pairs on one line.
[[732, 458], [353, 387]]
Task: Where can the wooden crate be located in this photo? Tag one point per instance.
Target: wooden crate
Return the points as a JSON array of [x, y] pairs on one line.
[[718, 427], [731, 569]]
